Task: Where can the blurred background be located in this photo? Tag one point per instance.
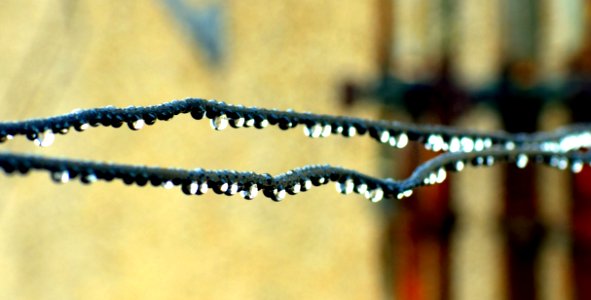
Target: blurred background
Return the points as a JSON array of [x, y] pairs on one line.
[[494, 233]]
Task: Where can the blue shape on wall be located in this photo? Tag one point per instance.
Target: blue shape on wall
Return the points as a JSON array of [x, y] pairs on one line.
[[204, 24]]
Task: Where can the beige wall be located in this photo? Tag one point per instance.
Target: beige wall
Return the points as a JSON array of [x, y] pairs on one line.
[[113, 241]]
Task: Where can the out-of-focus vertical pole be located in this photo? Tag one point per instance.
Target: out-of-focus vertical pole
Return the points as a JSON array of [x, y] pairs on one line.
[[520, 105], [580, 105]]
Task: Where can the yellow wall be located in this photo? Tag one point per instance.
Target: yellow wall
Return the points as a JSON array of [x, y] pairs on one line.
[[110, 241]]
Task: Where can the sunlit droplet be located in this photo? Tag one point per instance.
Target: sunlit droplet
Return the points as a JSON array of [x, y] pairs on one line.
[[402, 140], [138, 124], [521, 161], [60, 176], [45, 139], [168, 185], [219, 122], [576, 166], [250, 193]]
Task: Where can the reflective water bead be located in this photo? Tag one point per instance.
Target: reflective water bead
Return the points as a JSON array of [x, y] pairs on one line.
[[339, 129], [316, 130], [233, 188], [60, 176], [345, 187], [220, 122], [45, 139], [392, 141], [562, 163], [407, 193], [203, 187], [433, 178], [224, 187], [576, 166], [488, 143], [249, 123], [279, 194], [384, 136], [509, 145], [296, 188], [478, 145], [402, 140], [521, 161], [490, 160], [250, 193], [137, 124], [193, 188], [454, 144], [326, 130], [459, 165], [441, 175], [351, 131], [307, 184], [467, 144], [167, 185], [361, 188], [376, 195], [264, 123], [237, 123], [84, 126], [90, 178]]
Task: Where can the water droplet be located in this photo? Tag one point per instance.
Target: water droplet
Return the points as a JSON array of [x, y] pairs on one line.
[[562, 163], [385, 136], [220, 122], [478, 161], [316, 130], [237, 123], [90, 178], [488, 143], [193, 188], [402, 140], [321, 180], [250, 193], [459, 165], [345, 187], [478, 145], [339, 129], [455, 145], [249, 123], [432, 178], [84, 126], [326, 130], [137, 124], [509, 145], [224, 187], [441, 175], [45, 139], [361, 188], [296, 188], [351, 131], [576, 166], [60, 176], [307, 184], [404, 194], [279, 194], [264, 123], [233, 189], [376, 195], [203, 188], [167, 185], [490, 160], [392, 141], [521, 161], [467, 144]]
